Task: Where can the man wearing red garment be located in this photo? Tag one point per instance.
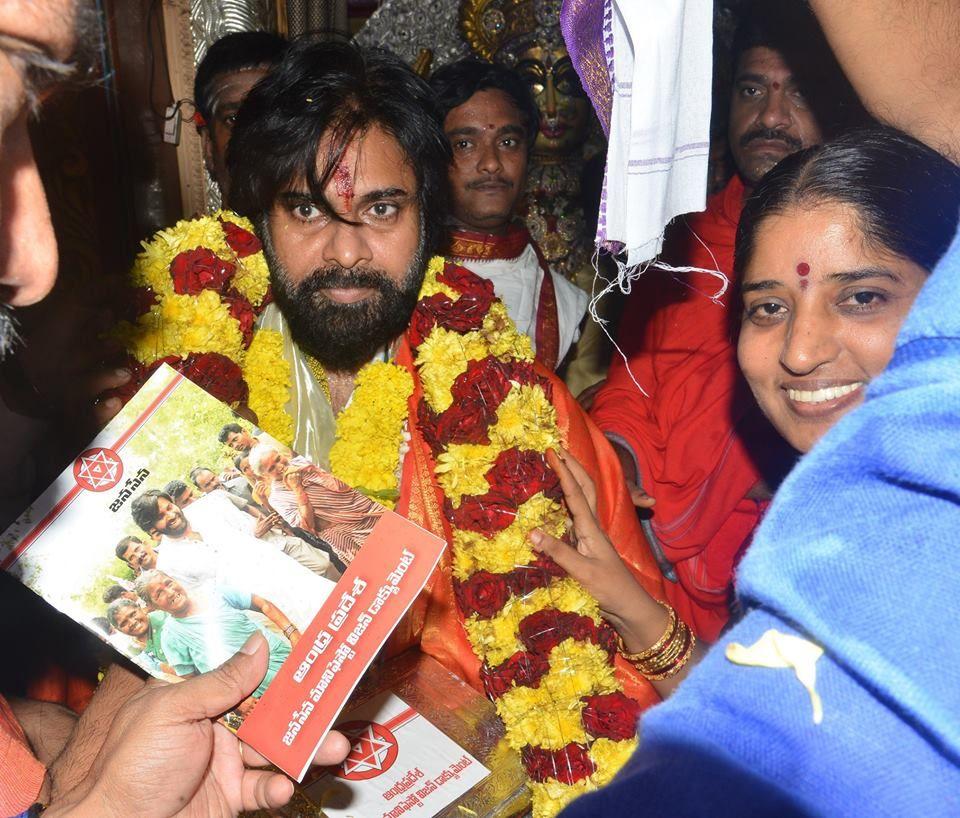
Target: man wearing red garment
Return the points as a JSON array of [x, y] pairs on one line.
[[690, 446], [491, 121]]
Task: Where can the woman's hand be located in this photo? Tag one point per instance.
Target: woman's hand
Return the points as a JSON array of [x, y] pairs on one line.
[[593, 561]]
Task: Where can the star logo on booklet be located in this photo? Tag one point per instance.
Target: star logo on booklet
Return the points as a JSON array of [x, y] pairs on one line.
[[373, 751], [98, 469]]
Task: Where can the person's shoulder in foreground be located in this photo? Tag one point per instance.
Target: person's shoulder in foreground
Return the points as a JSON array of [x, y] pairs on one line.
[[866, 573]]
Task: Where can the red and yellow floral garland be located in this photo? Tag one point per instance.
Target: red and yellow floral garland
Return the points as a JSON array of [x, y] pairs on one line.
[[547, 654], [198, 288]]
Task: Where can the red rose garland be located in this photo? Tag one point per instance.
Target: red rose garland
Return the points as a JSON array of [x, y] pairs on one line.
[[462, 304]]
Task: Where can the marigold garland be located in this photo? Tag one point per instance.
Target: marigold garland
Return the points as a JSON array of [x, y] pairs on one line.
[[547, 655], [199, 286], [371, 430]]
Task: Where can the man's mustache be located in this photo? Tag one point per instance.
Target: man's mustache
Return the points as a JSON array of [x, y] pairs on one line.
[[771, 135], [480, 183], [338, 278]]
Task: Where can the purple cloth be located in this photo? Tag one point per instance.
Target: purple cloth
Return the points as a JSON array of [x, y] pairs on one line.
[[585, 25]]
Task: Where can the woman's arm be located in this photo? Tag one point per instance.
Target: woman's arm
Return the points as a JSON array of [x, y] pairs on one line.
[[640, 620]]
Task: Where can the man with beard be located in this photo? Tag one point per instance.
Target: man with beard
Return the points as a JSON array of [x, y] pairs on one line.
[[491, 121], [339, 158], [684, 445]]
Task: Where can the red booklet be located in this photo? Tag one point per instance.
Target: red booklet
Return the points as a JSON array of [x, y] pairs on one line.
[[175, 549]]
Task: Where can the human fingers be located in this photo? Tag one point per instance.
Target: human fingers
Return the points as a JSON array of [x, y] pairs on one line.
[[639, 497], [584, 521], [213, 693], [332, 750], [581, 476], [567, 557], [103, 379], [260, 789]]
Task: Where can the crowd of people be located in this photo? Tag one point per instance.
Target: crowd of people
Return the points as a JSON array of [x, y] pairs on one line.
[[784, 486]]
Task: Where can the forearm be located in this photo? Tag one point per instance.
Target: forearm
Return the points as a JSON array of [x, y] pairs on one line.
[[640, 624], [307, 519], [901, 57], [273, 613]]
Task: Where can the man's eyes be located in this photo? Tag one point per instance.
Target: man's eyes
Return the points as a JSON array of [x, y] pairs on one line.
[[750, 91], [384, 210], [306, 211]]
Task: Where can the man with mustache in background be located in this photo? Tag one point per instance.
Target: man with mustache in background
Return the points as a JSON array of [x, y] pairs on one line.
[[491, 121], [683, 447]]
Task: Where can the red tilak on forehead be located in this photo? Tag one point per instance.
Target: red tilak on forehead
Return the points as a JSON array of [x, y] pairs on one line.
[[343, 183], [776, 86], [803, 269]]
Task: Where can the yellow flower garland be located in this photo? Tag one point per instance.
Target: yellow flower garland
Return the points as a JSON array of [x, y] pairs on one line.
[[370, 431], [547, 716]]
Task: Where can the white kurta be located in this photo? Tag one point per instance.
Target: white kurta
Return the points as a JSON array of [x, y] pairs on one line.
[[517, 283]]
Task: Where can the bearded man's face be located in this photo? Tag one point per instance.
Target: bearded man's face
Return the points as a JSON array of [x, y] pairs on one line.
[[346, 272]]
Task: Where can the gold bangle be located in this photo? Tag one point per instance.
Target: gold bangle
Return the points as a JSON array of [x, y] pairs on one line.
[[658, 646], [675, 666]]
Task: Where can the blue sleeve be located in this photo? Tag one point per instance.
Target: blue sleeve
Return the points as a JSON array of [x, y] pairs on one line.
[[235, 598], [178, 657]]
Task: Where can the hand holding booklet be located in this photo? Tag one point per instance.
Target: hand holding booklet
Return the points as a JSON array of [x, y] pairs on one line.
[[178, 580]]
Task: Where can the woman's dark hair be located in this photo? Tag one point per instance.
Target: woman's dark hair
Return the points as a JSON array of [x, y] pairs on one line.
[[234, 52], [455, 83], [335, 91], [906, 195]]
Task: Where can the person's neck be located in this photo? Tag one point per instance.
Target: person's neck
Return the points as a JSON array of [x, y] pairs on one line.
[[340, 382], [499, 229]]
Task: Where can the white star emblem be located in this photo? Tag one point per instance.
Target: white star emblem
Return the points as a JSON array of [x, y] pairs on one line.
[[98, 470], [367, 753]]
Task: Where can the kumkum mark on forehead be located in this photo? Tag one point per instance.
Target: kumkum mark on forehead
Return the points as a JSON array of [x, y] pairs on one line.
[[803, 270], [343, 183]]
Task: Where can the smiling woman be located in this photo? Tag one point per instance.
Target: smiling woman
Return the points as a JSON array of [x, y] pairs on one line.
[[833, 246]]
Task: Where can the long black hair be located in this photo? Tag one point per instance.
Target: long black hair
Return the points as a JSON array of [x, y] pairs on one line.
[[334, 91], [906, 195]]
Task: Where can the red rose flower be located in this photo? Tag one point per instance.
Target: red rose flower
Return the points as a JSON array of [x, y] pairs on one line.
[[484, 594], [241, 241], [567, 765], [523, 473], [465, 422], [485, 382], [218, 375], [538, 574], [522, 669], [487, 513], [607, 639], [542, 631], [421, 325], [611, 716], [241, 310], [466, 282], [463, 315], [427, 424], [200, 269]]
